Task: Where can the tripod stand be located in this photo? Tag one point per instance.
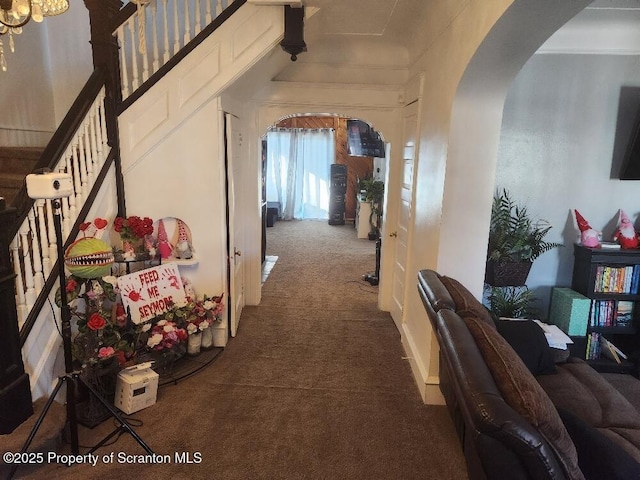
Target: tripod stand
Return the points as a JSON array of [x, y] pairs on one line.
[[71, 378]]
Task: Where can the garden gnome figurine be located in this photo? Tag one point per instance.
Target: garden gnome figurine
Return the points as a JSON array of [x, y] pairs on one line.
[[164, 247], [589, 237], [625, 235], [183, 247]]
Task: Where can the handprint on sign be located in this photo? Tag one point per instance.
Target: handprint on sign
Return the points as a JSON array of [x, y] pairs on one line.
[[131, 294]]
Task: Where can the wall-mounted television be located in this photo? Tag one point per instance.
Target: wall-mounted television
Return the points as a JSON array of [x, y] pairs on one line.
[[363, 141], [630, 169]]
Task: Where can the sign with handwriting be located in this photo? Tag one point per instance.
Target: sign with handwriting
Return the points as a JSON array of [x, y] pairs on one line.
[[151, 292]]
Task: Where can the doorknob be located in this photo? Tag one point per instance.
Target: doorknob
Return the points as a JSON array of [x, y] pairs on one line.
[[393, 234], [237, 252]]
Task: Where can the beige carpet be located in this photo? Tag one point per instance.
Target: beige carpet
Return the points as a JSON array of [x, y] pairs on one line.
[[314, 386]]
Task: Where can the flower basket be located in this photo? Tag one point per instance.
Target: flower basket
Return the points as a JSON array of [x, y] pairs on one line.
[[506, 274]]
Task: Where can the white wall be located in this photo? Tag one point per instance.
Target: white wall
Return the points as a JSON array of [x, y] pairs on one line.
[[26, 101], [557, 148]]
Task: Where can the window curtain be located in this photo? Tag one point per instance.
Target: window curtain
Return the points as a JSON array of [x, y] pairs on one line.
[[298, 169]]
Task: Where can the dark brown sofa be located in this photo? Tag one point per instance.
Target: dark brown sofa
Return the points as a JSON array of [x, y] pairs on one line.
[[567, 424]]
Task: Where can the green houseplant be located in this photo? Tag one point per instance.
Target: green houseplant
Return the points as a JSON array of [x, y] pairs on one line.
[[512, 302], [515, 241], [373, 192]]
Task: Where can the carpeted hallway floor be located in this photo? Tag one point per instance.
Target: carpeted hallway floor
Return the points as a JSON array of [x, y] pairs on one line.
[[314, 386]]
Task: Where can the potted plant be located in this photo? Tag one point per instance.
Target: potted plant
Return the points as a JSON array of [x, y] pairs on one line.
[[515, 241], [512, 302], [373, 192]]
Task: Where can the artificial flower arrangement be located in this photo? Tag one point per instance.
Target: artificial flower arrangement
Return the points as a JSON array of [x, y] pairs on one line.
[[103, 333], [135, 233]]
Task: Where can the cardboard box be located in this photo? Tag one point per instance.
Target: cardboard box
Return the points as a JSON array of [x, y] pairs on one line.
[[136, 388], [570, 311]]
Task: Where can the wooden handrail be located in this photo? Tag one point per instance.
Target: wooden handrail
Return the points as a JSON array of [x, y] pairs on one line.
[[59, 142]]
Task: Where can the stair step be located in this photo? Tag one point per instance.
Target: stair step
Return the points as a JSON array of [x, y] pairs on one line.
[[10, 185], [19, 159]]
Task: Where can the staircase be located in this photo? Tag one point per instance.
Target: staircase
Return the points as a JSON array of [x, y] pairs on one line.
[[198, 51], [15, 164]]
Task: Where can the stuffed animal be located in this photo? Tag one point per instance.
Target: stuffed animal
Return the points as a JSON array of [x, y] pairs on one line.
[[625, 234], [183, 248], [589, 237]]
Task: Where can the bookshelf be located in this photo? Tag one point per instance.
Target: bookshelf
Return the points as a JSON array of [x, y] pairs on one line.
[[610, 278]]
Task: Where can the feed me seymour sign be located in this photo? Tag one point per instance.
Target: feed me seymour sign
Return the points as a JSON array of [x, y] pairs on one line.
[[152, 292]]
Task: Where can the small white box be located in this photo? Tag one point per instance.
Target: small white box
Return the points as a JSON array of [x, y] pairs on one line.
[[136, 388]]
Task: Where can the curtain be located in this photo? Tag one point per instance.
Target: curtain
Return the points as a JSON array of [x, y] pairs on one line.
[[298, 169]]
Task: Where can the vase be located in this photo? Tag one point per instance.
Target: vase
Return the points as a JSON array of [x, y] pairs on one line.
[[207, 338], [219, 336], [194, 344]]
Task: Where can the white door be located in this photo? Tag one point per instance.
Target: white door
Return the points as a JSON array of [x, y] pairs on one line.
[[409, 133], [235, 157]]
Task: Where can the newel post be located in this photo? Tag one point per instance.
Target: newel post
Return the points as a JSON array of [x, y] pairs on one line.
[[105, 57], [15, 392]]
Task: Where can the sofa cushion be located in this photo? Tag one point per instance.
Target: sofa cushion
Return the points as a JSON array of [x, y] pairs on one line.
[[598, 456], [523, 393], [529, 342], [581, 390], [466, 304]]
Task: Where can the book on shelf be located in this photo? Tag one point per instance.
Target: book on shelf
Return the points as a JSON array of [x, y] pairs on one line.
[[607, 350], [624, 313], [610, 279]]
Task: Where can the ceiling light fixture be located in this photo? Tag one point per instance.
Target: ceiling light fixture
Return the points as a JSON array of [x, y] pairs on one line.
[[14, 14]]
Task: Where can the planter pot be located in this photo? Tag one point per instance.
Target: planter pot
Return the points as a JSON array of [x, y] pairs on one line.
[[506, 274], [194, 344], [207, 338]]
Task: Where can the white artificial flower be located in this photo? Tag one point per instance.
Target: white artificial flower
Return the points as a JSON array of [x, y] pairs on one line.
[[208, 305], [203, 325], [161, 323], [146, 327], [154, 340], [96, 287], [192, 328], [110, 279], [168, 328]]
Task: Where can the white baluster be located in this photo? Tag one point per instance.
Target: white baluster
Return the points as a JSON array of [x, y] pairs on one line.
[[44, 241], [176, 28], [187, 23], [123, 62], [94, 146], [103, 121], [73, 210], [88, 157], [134, 58], [207, 14], [21, 301], [219, 8], [38, 277], [66, 221], [30, 293], [51, 234], [154, 29], [83, 170], [98, 131], [142, 40], [77, 174], [165, 27], [198, 19]]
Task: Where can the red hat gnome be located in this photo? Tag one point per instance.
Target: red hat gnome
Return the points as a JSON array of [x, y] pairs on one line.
[[589, 237], [625, 235], [164, 247], [183, 247]]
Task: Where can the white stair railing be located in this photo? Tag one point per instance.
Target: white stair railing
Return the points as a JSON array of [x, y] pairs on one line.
[[166, 24], [33, 249]]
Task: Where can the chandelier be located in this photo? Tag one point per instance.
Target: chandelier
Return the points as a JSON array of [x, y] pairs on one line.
[[14, 14]]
